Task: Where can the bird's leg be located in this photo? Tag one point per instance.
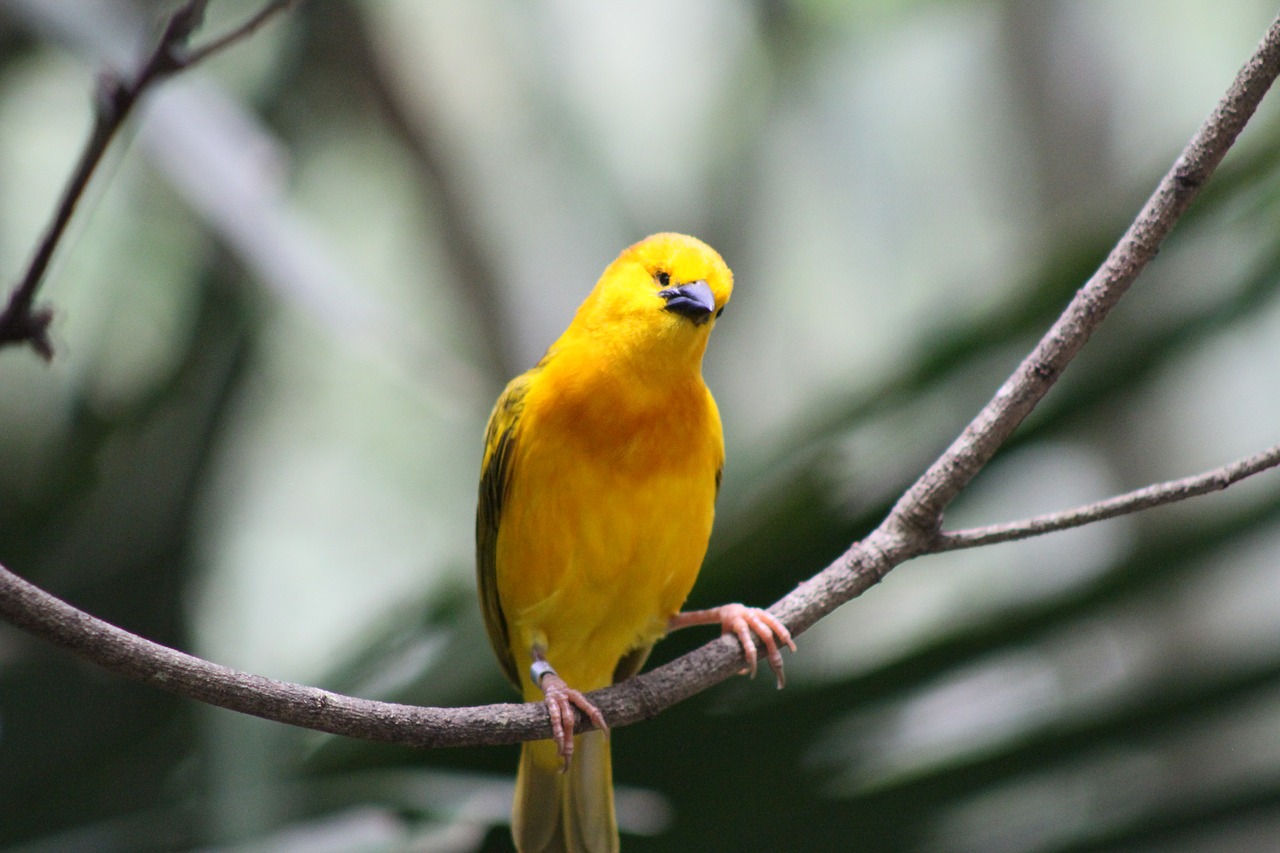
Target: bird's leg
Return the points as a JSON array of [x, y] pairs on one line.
[[561, 699], [745, 623]]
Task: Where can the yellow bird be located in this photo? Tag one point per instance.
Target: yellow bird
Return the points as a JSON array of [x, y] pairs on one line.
[[597, 492]]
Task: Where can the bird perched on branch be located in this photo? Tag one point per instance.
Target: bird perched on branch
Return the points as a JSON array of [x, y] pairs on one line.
[[600, 473]]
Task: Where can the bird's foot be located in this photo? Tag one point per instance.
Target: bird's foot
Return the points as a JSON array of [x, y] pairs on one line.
[[745, 623], [561, 699]]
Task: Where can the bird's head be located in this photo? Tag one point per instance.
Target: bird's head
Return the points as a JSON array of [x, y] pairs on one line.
[[665, 291]]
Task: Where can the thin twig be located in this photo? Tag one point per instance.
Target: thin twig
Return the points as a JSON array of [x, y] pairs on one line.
[[22, 321], [248, 28], [910, 529], [1135, 501]]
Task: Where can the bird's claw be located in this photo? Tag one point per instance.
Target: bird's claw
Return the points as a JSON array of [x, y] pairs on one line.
[[748, 623], [561, 699]]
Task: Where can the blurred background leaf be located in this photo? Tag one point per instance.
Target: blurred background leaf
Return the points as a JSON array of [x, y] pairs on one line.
[[297, 286]]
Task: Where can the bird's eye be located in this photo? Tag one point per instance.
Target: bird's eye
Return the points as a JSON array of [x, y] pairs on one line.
[[663, 277], [718, 313]]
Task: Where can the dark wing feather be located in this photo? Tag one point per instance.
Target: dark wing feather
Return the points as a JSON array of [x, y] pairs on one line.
[[631, 663], [495, 479]]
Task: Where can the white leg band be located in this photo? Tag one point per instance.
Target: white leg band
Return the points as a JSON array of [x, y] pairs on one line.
[[538, 669]]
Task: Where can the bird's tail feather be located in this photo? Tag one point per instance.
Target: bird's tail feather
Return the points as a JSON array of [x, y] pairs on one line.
[[565, 812]]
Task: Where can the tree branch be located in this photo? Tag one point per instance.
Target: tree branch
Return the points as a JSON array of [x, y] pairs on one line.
[[22, 321], [1135, 501], [913, 524], [246, 29], [911, 528], [921, 507], [49, 618]]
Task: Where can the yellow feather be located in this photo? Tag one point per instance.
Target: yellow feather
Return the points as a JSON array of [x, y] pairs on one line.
[[597, 495]]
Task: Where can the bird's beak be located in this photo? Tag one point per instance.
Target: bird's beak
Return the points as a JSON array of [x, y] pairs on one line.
[[693, 300]]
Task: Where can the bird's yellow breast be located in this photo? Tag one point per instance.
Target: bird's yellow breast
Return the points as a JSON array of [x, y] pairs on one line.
[[608, 514]]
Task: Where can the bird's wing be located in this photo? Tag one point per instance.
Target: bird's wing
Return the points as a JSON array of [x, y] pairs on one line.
[[495, 478]]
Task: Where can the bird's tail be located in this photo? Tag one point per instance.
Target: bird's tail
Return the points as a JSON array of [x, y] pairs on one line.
[[565, 812]]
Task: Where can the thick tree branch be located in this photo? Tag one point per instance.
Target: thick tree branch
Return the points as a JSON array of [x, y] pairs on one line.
[[22, 321], [1136, 501], [911, 529], [49, 618]]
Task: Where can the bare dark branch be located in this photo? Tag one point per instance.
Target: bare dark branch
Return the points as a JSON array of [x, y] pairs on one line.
[[22, 321], [248, 28]]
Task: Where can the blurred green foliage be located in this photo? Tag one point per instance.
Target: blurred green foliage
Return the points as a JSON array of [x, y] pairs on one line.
[[298, 284]]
